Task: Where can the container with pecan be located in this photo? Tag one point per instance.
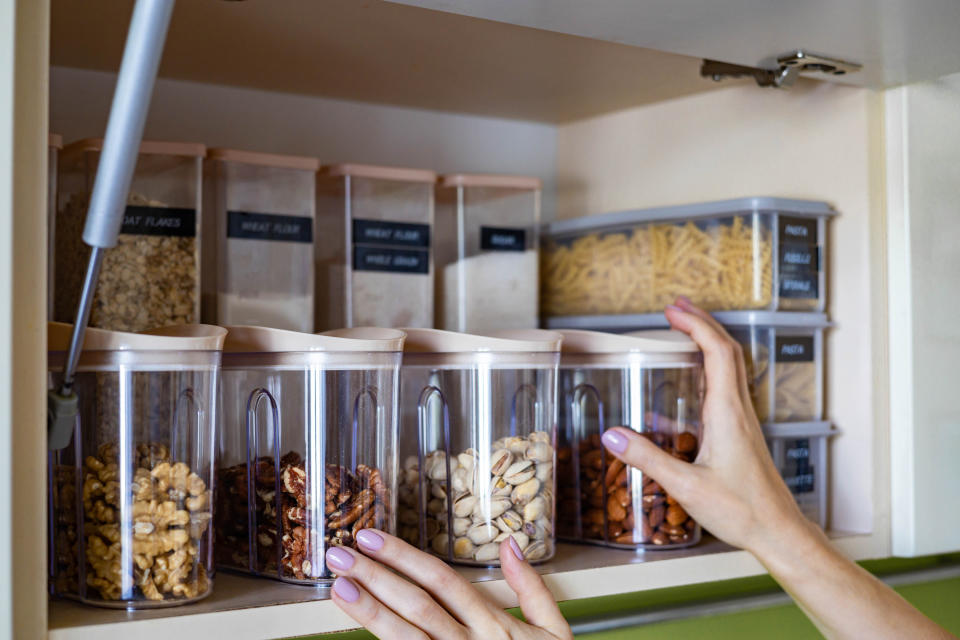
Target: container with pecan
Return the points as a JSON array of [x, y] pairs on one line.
[[306, 460], [650, 383], [130, 500], [479, 438]]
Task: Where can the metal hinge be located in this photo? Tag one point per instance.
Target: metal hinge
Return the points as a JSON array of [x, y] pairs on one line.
[[790, 67]]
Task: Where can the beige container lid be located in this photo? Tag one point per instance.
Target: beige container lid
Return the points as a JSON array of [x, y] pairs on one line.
[[188, 337], [55, 140], [658, 341], [248, 339], [147, 147], [439, 341], [264, 159], [378, 172], [489, 180]]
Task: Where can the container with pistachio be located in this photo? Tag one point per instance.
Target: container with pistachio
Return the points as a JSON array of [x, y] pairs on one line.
[[307, 454], [649, 382], [478, 424], [130, 504]]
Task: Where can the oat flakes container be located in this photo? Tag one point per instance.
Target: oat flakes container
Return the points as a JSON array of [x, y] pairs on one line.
[[374, 262], [486, 252], [308, 447], [152, 277], [750, 253], [258, 255], [129, 499], [649, 383], [54, 144], [478, 440]]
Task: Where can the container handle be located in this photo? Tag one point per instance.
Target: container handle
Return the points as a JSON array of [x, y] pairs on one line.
[[369, 392], [578, 426], [525, 390], [426, 395], [253, 405]]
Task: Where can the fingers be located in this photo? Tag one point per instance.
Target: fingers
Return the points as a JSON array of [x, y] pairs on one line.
[[675, 476], [369, 612], [537, 603], [438, 579], [404, 598]]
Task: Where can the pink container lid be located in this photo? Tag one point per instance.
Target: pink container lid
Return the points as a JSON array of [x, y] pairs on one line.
[[377, 172], [147, 147], [187, 337], [264, 159], [489, 180]]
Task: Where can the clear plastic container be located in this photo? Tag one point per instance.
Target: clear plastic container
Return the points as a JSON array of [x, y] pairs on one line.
[[308, 450], [651, 383], [486, 252], [800, 452], [478, 443], [54, 144], [129, 497], [152, 277], [751, 253], [258, 249], [374, 262]]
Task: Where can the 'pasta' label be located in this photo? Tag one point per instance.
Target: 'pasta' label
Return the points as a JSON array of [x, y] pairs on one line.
[[159, 221], [502, 239], [798, 472], [798, 230], [794, 349]]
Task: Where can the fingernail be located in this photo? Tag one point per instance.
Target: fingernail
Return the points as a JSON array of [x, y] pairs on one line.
[[339, 559], [673, 307], [370, 540], [615, 441], [346, 589], [515, 548]]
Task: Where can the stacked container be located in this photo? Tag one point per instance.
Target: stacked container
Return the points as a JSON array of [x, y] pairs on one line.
[[130, 503], [479, 435], [799, 450], [308, 448], [152, 277], [54, 144], [374, 265], [651, 383], [258, 243], [486, 252]]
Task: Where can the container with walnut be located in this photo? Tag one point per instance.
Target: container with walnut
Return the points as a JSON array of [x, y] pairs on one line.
[[130, 496], [307, 453], [647, 382]]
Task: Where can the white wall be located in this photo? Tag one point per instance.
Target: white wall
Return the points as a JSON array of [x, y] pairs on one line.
[[332, 130], [817, 141]]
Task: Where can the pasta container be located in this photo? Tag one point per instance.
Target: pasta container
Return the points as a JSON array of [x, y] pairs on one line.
[[374, 262], [308, 448], [151, 278], [129, 497], [258, 251], [649, 382], [751, 253], [54, 144], [800, 452], [479, 435], [486, 252]]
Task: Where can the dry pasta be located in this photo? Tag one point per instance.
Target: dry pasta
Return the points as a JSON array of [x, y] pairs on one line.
[[795, 392], [644, 269]]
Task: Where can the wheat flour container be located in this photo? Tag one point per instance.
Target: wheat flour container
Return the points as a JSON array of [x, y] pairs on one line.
[[487, 230], [374, 260], [308, 448], [130, 496], [258, 251], [478, 441], [649, 382]]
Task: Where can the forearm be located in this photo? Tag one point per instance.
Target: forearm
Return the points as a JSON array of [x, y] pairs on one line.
[[842, 599]]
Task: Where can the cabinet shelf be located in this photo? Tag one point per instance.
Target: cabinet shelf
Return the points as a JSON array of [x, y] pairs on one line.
[[243, 607]]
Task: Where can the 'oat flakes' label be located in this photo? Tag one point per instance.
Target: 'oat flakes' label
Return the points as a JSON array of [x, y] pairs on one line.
[[159, 221]]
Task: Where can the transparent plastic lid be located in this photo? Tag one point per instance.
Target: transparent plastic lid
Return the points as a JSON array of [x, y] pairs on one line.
[[376, 172], [529, 347], [147, 147], [660, 347], [187, 337], [246, 339], [489, 180], [264, 159]]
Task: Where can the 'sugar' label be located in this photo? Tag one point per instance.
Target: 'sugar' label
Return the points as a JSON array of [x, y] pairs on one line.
[[794, 349], [502, 239], [159, 221], [798, 230], [391, 234], [393, 260], [267, 226]]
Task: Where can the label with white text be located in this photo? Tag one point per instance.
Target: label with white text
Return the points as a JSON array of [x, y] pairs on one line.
[[502, 239], [794, 349], [268, 226], [159, 221], [390, 234], [393, 260]]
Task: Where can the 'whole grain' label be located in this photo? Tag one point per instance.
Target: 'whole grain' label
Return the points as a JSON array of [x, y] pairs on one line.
[[267, 226], [159, 221], [390, 234], [794, 349], [388, 259], [502, 239]]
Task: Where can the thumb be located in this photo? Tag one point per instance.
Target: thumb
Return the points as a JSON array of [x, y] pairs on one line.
[[537, 603], [637, 451]]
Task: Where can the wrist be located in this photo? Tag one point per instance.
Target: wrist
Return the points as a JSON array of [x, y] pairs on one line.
[[785, 539]]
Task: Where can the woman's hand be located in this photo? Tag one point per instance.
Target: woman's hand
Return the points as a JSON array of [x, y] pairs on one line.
[[733, 489], [434, 601]]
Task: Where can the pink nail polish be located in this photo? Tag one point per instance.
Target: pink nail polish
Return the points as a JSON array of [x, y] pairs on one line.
[[339, 559], [346, 590], [515, 548], [615, 441], [673, 307], [370, 540]]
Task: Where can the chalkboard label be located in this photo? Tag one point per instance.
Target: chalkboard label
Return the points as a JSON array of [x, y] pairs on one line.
[[798, 473], [799, 257], [798, 230], [159, 221], [267, 226], [390, 234], [394, 260], [502, 239], [800, 284], [794, 349]]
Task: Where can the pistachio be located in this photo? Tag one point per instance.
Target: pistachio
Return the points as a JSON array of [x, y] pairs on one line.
[[463, 548], [526, 492], [544, 472], [519, 472], [493, 509], [482, 533], [437, 467], [539, 436], [436, 506], [464, 506], [500, 461], [440, 543], [509, 521], [460, 526], [467, 459], [437, 491], [535, 551], [539, 452], [487, 553], [461, 480]]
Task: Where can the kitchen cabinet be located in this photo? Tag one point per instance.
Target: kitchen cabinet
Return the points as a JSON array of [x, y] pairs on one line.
[[593, 114]]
